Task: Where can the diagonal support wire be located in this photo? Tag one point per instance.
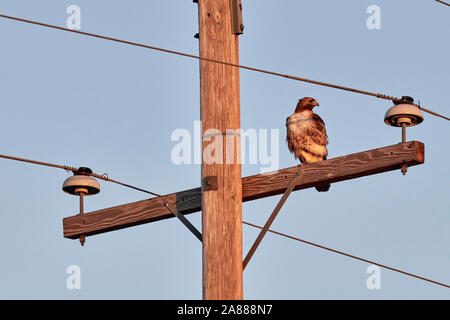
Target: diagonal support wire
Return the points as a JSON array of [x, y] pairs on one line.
[[272, 217], [183, 219]]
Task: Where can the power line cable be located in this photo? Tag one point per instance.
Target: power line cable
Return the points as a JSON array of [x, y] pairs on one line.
[[68, 168], [447, 4], [320, 83], [348, 255]]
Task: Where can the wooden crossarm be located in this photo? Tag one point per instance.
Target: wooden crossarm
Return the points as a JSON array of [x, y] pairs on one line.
[[253, 187]]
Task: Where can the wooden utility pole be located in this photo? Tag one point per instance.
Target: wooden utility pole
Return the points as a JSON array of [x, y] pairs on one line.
[[220, 112], [222, 188]]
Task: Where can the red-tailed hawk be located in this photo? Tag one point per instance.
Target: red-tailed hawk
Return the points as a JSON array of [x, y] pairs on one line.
[[306, 135]]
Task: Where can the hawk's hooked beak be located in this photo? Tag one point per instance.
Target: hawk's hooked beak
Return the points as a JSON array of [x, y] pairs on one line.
[[315, 103]]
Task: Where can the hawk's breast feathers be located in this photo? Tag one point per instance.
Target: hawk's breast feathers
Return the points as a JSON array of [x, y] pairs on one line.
[[306, 136]]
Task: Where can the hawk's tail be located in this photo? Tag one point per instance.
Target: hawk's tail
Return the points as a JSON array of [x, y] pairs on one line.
[[323, 188]]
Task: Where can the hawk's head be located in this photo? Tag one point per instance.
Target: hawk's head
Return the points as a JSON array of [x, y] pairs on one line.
[[306, 103]]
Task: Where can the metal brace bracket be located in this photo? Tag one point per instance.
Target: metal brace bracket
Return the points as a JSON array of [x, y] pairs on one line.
[[237, 25], [209, 183], [183, 219], [272, 216]]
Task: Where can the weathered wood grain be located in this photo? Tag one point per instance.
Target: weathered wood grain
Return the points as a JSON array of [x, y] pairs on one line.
[[253, 187], [220, 110], [334, 170], [131, 214]]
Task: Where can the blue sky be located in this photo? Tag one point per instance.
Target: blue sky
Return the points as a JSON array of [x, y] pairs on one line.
[[73, 100]]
